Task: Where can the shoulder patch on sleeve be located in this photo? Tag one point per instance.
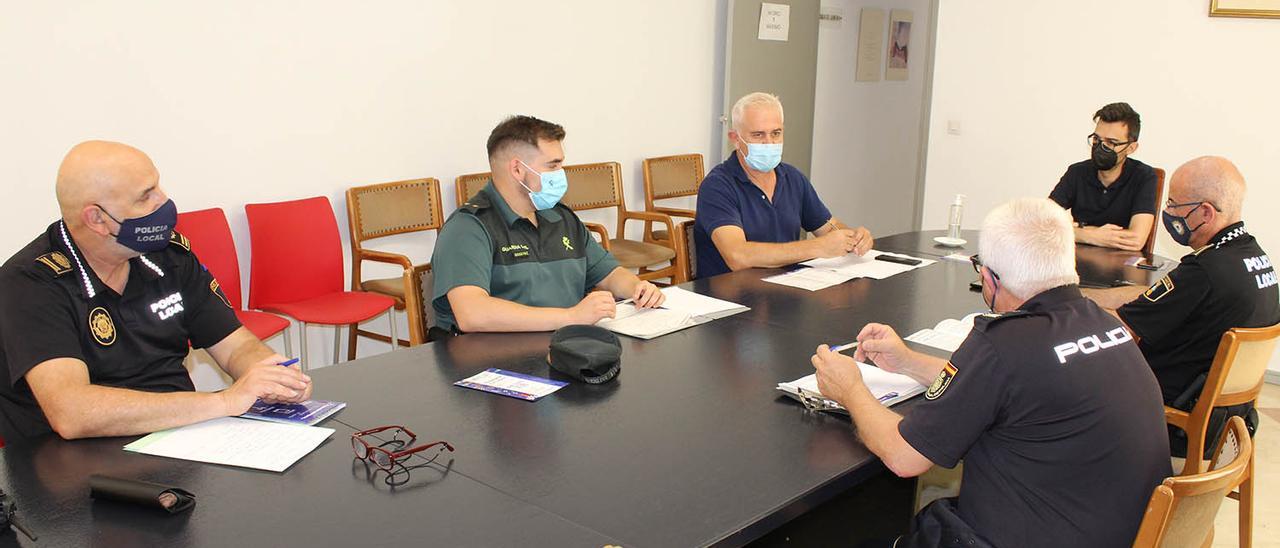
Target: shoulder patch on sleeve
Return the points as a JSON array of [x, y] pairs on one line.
[[180, 241], [56, 262], [1159, 289], [941, 383]]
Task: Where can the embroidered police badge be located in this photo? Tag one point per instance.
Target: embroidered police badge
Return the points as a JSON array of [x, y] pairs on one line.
[[1159, 289], [941, 383], [56, 261], [217, 290], [100, 325]]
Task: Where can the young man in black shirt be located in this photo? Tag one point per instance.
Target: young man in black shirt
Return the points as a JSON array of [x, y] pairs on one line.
[[1048, 402], [99, 311], [1227, 281], [1112, 197]]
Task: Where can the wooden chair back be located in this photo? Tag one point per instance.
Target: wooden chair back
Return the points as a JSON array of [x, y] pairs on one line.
[[1155, 226], [471, 184], [1182, 509]]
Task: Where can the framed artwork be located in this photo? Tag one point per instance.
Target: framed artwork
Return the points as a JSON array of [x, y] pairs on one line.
[[1245, 8]]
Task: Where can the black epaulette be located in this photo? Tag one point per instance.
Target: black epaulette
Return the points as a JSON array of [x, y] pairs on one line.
[[54, 262], [476, 203], [983, 321], [181, 241]]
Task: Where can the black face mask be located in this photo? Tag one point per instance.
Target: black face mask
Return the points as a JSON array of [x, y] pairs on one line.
[[1103, 158]]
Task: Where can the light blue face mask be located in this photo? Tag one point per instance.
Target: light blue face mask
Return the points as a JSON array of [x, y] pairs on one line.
[[554, 185], [763, 156]]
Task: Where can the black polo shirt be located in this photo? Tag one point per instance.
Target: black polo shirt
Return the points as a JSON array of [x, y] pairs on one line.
[[56, 307], [1058, 420], [1180, 320], [1092, 204]]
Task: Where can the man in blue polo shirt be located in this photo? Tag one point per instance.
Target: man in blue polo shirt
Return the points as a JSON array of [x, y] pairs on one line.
[[753, 210]]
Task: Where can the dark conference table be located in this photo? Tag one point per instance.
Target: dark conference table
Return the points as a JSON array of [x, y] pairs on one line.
[[692, 445]]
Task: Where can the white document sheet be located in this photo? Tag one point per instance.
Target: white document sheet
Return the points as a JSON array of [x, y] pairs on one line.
[[811, 279], [866, 266], [695, 304], [234, 441], [682, 309], [889, 388], [947, 335]]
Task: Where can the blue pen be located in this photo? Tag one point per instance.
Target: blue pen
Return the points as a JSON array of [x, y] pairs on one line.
[[843, 347], [887, 397], [288, 363]]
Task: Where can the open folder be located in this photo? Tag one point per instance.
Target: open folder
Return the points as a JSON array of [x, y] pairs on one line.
[[889, 388], [947, 335], [682, 309]]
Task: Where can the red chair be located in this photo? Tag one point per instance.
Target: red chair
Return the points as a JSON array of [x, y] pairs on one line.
[[296, 269], [212, 243]]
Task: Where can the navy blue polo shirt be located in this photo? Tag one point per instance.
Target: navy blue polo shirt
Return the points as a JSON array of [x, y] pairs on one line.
[[728, 197]]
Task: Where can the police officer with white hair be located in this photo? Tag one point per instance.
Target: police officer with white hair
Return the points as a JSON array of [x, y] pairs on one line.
[[1048, 401]]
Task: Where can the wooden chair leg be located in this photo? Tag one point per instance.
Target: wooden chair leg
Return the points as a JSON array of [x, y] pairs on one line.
[[352, 335], [1246, 506]]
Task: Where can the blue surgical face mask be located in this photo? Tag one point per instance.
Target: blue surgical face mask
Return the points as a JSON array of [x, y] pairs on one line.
[[1177, 226], [148, 233], [554, 185], [763, 156]]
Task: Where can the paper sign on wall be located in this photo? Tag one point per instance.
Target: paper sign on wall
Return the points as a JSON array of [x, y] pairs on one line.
[[775, 21], [870, 40], [899, 40]]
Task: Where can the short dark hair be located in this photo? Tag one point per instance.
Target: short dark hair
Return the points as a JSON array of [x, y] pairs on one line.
[[1121, 112], [522, 129]]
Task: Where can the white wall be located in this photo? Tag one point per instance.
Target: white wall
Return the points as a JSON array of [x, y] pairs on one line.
[[1022, 80], [241, 102], [866, 135]]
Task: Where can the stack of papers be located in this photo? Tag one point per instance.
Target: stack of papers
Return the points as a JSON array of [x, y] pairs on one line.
[[682, 309], [889, 388], [947, 335], [234, 441], [824, 273]]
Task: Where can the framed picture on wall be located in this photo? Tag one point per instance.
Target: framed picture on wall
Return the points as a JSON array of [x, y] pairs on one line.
[[1245, 8]]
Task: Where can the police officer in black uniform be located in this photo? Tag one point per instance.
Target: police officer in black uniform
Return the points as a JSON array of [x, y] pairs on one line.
[[1048, 402], [1227, 281], [100, 309]]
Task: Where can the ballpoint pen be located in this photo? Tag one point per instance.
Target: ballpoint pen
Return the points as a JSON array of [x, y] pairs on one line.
[[288, 362], [843, 347], [887, 397]]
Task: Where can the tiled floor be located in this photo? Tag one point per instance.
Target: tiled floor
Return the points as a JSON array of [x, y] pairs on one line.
[[1266, 503]]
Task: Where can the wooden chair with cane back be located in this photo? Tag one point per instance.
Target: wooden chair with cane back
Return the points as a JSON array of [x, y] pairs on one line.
[[1234, 378], [1181, 510], [389, 209], [599, 186], [668, 177]]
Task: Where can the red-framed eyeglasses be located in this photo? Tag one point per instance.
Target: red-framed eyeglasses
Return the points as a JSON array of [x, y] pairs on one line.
[[387, 453]]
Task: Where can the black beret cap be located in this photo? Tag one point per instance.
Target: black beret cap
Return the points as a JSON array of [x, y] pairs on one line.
[[586, 352]]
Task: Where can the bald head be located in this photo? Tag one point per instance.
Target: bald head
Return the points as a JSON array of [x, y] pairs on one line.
[[105, 173], [1212, 179]]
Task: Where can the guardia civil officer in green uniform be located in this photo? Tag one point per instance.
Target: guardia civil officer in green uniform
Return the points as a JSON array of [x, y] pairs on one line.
[[1048, 401], [1227, 281], [99, 312], [515, 259]]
